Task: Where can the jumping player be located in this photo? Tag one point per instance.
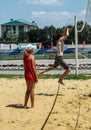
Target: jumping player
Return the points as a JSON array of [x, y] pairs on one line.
[[59, 56]]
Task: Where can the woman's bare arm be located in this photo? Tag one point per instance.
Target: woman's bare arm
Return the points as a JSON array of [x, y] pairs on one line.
[[34, 68]]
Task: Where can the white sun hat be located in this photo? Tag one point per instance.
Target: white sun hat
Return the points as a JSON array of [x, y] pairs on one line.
[[29, 47]]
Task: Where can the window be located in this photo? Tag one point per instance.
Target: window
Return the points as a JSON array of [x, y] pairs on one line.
[[8, 28], [14, 29], [21, 28]]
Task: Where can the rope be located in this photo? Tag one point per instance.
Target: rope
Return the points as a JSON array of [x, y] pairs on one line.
[[87, 11], [51, 109], [78, 113], [83, 55]]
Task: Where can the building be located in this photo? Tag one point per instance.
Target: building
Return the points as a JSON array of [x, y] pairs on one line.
[[17, 26]]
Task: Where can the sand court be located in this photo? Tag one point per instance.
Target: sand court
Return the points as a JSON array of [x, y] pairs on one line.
[[73, 105]]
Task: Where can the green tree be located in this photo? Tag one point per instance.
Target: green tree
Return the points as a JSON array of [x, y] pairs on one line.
[[23, 37], [11, 37]]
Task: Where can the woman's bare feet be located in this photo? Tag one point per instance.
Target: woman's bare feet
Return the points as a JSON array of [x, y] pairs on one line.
[[32, 106], [61, 82], [25, 107]]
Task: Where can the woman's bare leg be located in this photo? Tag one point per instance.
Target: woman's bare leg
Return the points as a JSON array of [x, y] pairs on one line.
[[32, 94], [31, 85], [63, 76], [49, 69], [29, 92], [26, 96]]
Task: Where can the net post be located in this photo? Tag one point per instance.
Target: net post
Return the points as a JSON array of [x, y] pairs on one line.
[[76, 44]]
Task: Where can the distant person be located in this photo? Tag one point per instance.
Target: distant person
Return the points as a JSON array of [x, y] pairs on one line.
[[30, 74], [40, 45], [59, 56]]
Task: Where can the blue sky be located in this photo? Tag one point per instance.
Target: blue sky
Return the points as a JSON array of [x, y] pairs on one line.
[[44, 12]]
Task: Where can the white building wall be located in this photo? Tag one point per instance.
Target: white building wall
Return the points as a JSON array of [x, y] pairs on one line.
[[25, 28], [17, 29]]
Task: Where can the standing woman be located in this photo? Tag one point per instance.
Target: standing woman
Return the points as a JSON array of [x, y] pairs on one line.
[[30, 74]]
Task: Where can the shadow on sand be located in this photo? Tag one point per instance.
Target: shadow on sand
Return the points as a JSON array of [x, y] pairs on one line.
[[87, 95], [19, 106], [46, 94]]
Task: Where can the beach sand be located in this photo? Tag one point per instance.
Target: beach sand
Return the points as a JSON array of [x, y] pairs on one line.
[[72, 110]]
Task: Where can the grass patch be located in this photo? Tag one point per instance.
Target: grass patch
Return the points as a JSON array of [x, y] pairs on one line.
[[49, 76], [70, 76], [11, 76]]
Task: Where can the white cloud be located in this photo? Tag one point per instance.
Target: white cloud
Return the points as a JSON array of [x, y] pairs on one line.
[[55, 18], [43, 2], [34, 13], [83, 12], [81, 15]]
